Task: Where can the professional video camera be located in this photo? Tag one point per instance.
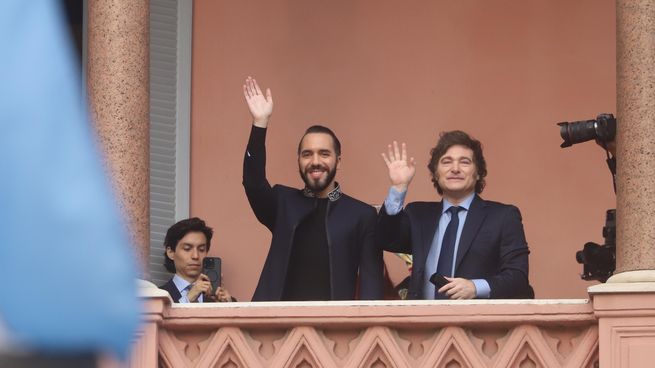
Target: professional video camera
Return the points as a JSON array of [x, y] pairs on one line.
[[598, 261]]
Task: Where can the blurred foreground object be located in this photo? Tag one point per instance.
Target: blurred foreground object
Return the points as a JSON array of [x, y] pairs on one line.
[[65, 264]]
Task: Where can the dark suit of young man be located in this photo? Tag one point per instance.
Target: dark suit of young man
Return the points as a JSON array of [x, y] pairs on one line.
[[187, 243], [484, 254], [172, 290]]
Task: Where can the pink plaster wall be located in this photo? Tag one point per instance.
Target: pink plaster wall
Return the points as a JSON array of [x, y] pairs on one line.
[[506, 71]]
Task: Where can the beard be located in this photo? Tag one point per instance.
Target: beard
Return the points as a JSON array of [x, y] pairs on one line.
[[317, 185]]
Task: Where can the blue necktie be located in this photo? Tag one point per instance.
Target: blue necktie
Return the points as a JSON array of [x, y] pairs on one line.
[[445, 265], [187, 289]]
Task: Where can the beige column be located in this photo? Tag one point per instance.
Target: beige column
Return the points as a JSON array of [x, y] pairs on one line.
[[118, 86], [625, 304], [635, 79]]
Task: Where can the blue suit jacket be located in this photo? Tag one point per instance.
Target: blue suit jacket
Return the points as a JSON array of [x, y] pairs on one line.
[[492, 245]]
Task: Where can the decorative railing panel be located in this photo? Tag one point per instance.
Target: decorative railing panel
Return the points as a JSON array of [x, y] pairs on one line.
[[544, 333]]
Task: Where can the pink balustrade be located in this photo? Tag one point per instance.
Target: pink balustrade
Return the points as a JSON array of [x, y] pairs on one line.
[[502, 333]]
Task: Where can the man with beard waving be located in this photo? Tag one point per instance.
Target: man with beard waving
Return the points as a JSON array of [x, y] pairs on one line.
[[323, 240]]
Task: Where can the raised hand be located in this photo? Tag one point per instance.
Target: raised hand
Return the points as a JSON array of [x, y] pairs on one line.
[[261, 107], [401, 170]]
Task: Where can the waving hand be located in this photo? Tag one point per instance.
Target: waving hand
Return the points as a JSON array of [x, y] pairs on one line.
[[261, 107], [401, 170]]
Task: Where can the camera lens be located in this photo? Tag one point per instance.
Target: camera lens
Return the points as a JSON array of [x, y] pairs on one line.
[[603, 128], [579, 256], [577, 132]]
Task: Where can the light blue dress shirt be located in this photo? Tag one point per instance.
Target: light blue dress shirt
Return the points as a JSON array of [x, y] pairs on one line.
[[182, 286], [394, 204]]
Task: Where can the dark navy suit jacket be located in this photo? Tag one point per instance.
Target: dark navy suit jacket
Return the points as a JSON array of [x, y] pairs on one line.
[[492, 245], [172, 289]]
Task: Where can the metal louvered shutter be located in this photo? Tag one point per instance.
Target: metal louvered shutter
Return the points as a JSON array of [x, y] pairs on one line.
[[170, 73]]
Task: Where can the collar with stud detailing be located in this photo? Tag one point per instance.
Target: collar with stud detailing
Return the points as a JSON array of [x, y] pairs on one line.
[[332, 196]]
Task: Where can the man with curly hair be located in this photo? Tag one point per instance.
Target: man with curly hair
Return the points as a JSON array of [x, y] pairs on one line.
[[478, 246]]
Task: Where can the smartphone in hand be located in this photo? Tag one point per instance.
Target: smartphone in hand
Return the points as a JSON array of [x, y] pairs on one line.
[[211, 267], [438, 280]]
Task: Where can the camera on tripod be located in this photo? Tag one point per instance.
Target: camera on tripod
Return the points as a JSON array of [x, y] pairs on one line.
[[598, 260]]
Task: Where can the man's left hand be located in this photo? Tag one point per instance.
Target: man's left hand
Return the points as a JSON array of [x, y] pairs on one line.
[[458, 288], [222, 295]]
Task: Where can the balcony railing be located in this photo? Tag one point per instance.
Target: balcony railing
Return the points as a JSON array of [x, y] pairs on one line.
[[476, 333]]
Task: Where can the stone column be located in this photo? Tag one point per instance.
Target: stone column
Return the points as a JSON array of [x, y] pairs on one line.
[[635, 80], [624, 305], [118, 87]]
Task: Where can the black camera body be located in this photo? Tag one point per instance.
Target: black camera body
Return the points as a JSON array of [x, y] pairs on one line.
[[602, 129], [599, 261]]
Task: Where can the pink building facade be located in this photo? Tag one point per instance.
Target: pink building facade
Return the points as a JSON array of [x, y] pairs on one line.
[[614, 327]]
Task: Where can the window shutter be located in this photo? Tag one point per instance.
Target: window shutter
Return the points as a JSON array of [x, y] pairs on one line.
[[170, 55]]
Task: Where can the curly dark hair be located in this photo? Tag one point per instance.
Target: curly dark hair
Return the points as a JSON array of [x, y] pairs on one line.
[[178, 231], [458, 138]]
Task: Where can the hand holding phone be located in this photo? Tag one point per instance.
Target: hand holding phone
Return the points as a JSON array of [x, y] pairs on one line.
[[438, 280], [211, 267]]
